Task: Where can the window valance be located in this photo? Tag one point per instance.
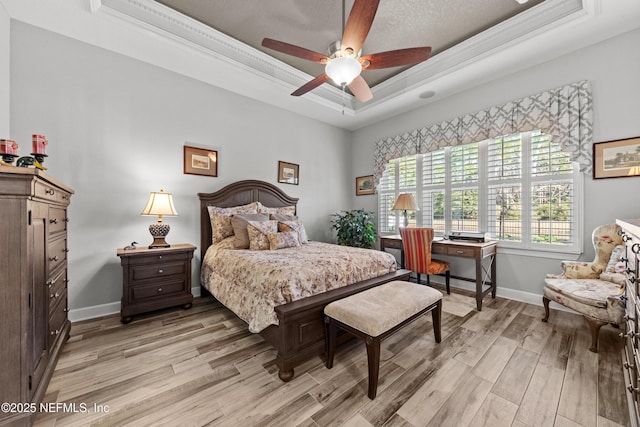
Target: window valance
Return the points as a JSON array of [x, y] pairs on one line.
[[565, 113]]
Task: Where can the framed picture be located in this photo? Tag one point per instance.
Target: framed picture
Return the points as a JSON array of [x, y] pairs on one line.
[[288, 173], [365, 185], [200, 161], [616, 159]]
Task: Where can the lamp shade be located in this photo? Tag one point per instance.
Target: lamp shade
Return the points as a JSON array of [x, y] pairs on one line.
[[405, 202], [160, 203], [343, 70]]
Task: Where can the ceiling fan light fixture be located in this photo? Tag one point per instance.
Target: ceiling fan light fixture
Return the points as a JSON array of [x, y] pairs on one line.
[[343, 70]]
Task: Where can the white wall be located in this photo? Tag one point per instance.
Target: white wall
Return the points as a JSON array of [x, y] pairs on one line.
[[613, 68], [5, 37], [116, 127]]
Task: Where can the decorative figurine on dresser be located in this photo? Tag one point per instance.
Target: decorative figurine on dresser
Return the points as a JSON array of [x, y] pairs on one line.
[[158, 276], [33, 286]]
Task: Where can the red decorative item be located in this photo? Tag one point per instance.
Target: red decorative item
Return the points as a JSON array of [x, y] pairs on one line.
[[8, 146], [39, 143]]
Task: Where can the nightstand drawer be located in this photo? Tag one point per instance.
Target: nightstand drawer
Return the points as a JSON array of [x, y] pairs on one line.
[[156, 271], [158, 259], [142, 292], [392, 243], [56, 288], [57, 220]]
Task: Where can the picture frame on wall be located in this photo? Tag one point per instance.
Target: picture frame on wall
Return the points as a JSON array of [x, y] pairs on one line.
[[365, 185], [616, 159], [288, 173], [200, 161]]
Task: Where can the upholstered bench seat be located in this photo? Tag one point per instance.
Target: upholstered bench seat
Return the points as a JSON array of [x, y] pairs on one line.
[[376, 313]]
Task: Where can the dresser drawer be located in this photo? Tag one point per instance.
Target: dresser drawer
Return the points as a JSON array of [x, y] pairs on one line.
[[57, 318], [157, 271], [392, 243], [56, 288], [461, 251], [57, 253], [57, 220], [156, 290]]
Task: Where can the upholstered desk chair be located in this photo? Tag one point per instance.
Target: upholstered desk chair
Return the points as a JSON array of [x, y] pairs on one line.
[[417, 253], [593, 289]]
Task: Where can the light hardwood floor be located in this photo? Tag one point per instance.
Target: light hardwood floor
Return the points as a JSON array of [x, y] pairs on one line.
[[498, 367]]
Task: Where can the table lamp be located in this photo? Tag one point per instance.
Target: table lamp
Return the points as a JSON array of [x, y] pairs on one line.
[[159, 203], [405, 202]]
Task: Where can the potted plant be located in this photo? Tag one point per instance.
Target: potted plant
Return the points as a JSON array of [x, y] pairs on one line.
[[355, 228]]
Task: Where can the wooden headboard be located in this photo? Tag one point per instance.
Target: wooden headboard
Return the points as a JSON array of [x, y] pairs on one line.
[[237, 194]]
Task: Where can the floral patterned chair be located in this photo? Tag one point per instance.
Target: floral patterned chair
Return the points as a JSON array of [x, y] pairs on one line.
[[593, 289]]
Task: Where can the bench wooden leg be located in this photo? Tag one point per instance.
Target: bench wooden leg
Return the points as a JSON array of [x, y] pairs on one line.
[[331, 332], [436, 315], [373, 358]]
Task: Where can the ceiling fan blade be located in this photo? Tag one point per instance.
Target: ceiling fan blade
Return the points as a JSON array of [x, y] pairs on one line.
[[359, 24], [394, 58], [311, 85], [294, 50], [360, 89]]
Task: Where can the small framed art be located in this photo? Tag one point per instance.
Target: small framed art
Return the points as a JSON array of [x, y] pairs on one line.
[[288, 173], [365, 185], [616, 159], [200, 161]]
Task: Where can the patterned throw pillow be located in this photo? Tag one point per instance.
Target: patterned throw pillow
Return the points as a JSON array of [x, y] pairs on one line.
[[258, 230], [295, 225], [221, 227], [239, 224], [284, 210], [287, 239]]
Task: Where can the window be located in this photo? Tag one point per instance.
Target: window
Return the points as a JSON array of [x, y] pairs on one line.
[[520, 188]]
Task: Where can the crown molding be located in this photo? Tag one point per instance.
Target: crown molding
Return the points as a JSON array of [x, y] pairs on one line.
[[182, 29]]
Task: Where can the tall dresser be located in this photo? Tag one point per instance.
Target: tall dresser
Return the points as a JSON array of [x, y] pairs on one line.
[[33, 287], [630, 357]]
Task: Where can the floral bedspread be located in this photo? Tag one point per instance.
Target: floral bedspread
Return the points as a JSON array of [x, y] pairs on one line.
[[252, 283]]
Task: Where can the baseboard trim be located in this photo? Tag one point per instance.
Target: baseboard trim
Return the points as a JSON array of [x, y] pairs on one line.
[[86, 313]]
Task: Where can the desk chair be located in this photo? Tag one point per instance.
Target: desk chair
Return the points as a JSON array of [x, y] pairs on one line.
[[417, 254]]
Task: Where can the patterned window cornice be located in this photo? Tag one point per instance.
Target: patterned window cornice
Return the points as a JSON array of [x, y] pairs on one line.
[[565, 113]]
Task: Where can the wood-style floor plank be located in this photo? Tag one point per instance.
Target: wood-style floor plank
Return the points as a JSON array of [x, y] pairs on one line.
[[498, 367]]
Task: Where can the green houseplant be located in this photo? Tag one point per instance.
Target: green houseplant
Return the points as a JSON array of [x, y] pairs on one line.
[[355, 228]]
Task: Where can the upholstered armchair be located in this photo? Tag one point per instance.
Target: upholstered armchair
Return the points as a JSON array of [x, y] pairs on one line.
[[416, 243], [593, 289]]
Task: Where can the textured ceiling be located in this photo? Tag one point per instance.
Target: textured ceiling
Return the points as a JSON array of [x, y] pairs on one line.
[[314, 24]]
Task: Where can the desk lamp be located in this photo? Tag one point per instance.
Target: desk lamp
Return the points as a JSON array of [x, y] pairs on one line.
[[405, 203]]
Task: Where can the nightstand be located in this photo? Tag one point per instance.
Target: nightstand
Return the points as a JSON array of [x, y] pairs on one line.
[[155, 278]]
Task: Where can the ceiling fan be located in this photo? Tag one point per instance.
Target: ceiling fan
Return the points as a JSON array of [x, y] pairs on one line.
[[344, 63]]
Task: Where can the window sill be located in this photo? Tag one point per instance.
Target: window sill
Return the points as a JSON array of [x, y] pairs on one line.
[[537, 253]]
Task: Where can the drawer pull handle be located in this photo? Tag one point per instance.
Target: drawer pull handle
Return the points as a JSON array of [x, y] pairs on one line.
[[628, 366], [56, 295], [49, 191], [459, 252], [53, 221], [624, 259], [51, 282], [66, 220], [159, 256], [161, 271], [629, 334], [65, 197], [65, 250], [635, 248], [626, 238], [632, 388], [159, 289], [66, 310], [53, 258], [56, 332]]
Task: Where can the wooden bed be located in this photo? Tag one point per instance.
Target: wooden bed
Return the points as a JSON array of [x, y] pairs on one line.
[[300, 333]]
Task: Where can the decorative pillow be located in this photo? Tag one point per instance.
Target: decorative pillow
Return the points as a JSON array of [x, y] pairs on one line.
[[282, 217], [258, 230], [285, 210], [287, 239], [616, 253], [613, 272], [239, 224], [221, 219], [295, 225]]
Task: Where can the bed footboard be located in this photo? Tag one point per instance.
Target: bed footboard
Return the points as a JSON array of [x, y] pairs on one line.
[[300, 334]]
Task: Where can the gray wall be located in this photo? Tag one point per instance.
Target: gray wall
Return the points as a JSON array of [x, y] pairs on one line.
[[116, 127], [613, 68], [5, 37]]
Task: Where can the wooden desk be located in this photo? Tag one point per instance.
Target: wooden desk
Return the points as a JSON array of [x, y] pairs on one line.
[[483, 253]]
